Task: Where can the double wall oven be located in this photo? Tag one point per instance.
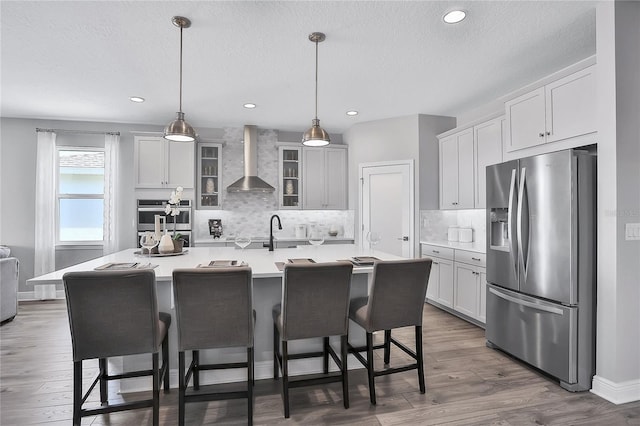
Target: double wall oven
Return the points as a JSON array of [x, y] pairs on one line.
[[148, 209]]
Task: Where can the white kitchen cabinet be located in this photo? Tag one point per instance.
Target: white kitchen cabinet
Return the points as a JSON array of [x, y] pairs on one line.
[[482, 298], [487, 148], [466, 290], [560, 110], [160, 163], [324, 178], [440, 286], [456, 171], [290, 181], [209, 174], [458, 281]]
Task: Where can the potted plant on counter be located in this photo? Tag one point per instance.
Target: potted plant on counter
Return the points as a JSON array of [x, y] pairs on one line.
[[174, 242]]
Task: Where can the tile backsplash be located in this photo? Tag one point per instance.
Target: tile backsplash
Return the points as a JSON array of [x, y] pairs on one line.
[[435, 223], [255, 222], [249, 213]]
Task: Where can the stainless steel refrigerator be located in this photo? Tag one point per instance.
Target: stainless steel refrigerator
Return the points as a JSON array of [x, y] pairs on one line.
[[541, 263]]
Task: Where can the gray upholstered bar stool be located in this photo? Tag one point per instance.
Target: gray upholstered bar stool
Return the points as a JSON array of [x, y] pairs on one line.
[[213, 310], [396, 299], [115, 313], [315, 303]]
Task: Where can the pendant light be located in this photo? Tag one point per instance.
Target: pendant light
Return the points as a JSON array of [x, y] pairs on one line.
[[179, 130], [315, 135]]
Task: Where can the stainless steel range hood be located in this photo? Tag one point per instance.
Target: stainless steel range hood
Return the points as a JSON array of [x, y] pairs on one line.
[[250, 182]]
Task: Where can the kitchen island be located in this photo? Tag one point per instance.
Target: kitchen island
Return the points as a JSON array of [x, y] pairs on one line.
[[267, 291]]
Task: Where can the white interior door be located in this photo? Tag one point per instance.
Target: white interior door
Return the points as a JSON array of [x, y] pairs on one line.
[[387, 206]]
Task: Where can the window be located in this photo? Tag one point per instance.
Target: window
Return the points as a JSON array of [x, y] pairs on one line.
[[80, 195]]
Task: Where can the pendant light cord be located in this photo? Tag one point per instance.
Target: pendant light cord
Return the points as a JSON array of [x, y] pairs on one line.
[[181, 26], [316, 79]]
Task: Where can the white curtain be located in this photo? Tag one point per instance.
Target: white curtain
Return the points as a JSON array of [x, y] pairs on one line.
[[111, 172], [45, 226]]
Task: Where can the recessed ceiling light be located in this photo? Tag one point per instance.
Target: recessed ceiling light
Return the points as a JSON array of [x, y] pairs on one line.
[[454, 16], [137, 99], [249, 105], [352, 113]]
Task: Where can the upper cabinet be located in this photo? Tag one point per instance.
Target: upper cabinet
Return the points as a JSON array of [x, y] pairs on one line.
[[324, 178], [464, 156], [456, 171], [487, 149], [560, 110], [209, 175], [160, 163], [289, 167]]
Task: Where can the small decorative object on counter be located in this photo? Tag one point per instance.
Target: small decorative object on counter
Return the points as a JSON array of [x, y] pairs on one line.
[[172, 209], [465, 235], [215, 228]]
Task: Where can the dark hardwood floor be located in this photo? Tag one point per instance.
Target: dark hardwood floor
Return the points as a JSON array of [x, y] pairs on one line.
[[467, 384]]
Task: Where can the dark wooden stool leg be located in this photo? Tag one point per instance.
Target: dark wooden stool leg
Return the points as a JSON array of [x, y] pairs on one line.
[[372, 386], [104, 372], [181, 388], [420, 359], [165, 363], [325, 355], [77, 392], [156, 389], [196, 369], [285, 378], [276, 351], [345, 371], [387, 346], [250, 385]]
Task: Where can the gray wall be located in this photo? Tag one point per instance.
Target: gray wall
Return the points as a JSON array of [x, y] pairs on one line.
[[400, 138], [618, 331]]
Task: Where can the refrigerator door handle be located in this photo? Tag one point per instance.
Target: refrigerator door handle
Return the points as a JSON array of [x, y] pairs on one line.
[[520, 228], [510, 218], [531, 305]]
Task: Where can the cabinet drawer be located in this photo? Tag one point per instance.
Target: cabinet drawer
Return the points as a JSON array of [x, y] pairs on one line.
[[429, 250], [470, 257]]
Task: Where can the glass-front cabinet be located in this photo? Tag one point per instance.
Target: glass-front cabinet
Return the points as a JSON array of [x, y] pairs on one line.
[[209, 182], [290, 177]]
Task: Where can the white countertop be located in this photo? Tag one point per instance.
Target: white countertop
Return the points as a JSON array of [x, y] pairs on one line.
[[261, 261], [474, 246]]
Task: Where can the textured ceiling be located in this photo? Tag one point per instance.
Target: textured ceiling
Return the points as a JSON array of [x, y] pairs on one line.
[[81, 60]]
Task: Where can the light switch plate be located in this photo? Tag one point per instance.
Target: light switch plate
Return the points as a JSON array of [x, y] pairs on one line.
[[632, 231]]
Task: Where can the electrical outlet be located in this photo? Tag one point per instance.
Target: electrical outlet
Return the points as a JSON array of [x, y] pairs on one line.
[[632, 231]]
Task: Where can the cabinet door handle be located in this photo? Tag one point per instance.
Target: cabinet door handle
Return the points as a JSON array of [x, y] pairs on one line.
[[475, 258], [541, 135], [435, 263], [548, 133]]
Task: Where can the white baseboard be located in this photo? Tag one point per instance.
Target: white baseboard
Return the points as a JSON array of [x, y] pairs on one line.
[[28, 296], [618, 393]]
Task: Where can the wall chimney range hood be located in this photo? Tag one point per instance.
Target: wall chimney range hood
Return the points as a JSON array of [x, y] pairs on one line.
[[250, 182]]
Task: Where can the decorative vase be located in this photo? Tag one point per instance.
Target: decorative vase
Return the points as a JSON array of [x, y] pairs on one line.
[[210, 187], [289, 187], [166, 244]]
